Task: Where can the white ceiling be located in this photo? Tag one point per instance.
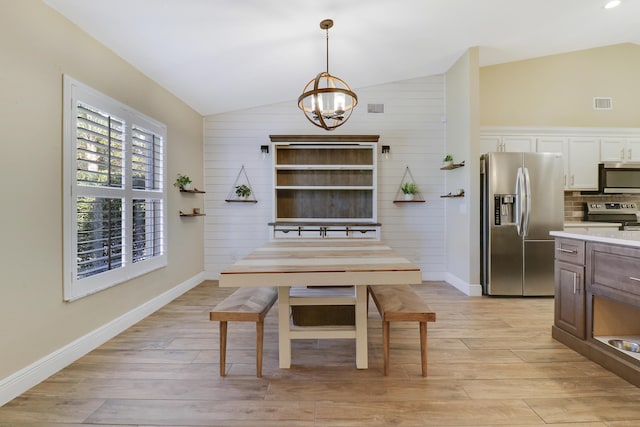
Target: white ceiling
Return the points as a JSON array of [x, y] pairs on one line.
[[225, 55]]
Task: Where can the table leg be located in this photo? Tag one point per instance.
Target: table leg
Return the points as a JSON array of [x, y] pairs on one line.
[[362, 359], [284, 337]]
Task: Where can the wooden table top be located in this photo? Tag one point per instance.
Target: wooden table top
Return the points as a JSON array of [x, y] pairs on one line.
[[330, 262]]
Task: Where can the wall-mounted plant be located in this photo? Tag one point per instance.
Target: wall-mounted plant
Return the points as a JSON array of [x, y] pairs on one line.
[[243, 191], [183, 182], [409, 189], [448, 159]]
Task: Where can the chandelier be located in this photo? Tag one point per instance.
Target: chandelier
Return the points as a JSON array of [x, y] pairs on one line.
[[327, 101]]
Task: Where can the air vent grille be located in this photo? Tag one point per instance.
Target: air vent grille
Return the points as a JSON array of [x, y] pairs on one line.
[[375, 108], [601, 103]]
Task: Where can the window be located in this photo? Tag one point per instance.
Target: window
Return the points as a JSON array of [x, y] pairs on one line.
[[115, 192]]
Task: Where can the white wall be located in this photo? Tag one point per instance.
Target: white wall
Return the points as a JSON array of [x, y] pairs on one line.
[[463, 224], [412, 124]]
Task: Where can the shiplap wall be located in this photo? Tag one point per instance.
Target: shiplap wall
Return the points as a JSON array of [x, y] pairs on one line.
[[412, 124]]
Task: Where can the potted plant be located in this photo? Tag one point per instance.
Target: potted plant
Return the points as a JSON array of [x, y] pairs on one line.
[[409, 189], [183, 182], [243, 191], [448, 160]]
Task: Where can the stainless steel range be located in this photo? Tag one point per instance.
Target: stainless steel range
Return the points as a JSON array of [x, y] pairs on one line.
[[625, 213]]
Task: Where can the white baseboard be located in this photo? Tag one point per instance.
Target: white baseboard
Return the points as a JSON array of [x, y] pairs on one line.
[[22, 380], [473, 290]]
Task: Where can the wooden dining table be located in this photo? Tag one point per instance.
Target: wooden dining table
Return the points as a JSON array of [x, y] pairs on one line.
[[326, 262]]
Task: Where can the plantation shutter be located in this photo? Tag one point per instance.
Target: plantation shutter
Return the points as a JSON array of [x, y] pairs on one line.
[[116, 212]]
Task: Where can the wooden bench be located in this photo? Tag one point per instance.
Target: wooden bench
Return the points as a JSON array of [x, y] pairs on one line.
[[244, 305], [400, 303]]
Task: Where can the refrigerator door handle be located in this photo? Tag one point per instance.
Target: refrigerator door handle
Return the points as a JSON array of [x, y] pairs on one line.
[[520, 201], [527, 204]]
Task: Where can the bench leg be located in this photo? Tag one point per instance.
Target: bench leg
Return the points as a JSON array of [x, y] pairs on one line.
[[385, 346], [423, 347], [259, 341], [223, 347]]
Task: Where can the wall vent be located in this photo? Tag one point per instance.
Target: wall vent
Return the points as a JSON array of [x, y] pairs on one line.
[[601, 103], [375, 108]]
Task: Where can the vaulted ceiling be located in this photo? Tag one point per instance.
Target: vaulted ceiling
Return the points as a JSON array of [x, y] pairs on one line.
[[225, 55]]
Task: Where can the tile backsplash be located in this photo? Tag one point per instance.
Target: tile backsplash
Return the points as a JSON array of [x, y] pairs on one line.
[[574, 202]]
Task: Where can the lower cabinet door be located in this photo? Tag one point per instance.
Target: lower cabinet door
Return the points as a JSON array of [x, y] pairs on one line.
[[570, 298]]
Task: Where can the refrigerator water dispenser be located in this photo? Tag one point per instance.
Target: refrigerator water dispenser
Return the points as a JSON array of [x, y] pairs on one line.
[[504, 205]]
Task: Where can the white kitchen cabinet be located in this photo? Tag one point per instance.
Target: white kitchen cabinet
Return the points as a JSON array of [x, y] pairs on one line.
[[582, 148], [507, 143], [555, 144], [583, 159], [489, 144], [620, 150]]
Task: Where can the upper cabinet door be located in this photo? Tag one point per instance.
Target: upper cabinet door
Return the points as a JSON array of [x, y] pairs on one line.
[[510, 143], [489, 144], [620, 150], [584, 155], [556, 144], [518, 143], [633, 150], [613, 150]]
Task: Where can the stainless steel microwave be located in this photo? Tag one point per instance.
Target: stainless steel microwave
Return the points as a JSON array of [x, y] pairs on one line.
[[619, 178]]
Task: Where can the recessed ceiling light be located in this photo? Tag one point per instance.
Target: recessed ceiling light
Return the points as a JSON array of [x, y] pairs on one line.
[[612, 3]]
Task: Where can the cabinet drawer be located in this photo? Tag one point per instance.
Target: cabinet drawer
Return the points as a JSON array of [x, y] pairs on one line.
[[570, 250], [614, 271]]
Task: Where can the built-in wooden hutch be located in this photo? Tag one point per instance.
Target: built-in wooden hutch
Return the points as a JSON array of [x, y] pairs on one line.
[[325, 186]]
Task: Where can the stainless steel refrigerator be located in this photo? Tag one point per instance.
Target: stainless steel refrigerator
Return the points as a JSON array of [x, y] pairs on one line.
[[521, 201]]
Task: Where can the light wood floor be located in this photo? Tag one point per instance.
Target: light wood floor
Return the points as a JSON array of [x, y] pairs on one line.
[[492, 362]]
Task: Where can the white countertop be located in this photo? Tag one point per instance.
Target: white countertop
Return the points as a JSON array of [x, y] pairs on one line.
[[591, 224], [614, 237]]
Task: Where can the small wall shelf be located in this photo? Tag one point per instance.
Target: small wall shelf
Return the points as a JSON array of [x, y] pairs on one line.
[[241, 200], [191, 214], [241, 180], [452, 166], [459, 194], [409, 201]]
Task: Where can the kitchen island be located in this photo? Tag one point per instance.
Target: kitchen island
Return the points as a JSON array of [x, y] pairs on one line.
[[597, 297]]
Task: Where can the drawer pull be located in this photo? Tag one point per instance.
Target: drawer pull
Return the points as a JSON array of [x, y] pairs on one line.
[[568, 251], [634, 278]]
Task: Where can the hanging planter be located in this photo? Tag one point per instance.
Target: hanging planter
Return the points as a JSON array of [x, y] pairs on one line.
[[241, 190], [408, 190]]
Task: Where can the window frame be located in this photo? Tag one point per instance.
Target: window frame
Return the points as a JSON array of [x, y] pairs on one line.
[[74, 288]]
